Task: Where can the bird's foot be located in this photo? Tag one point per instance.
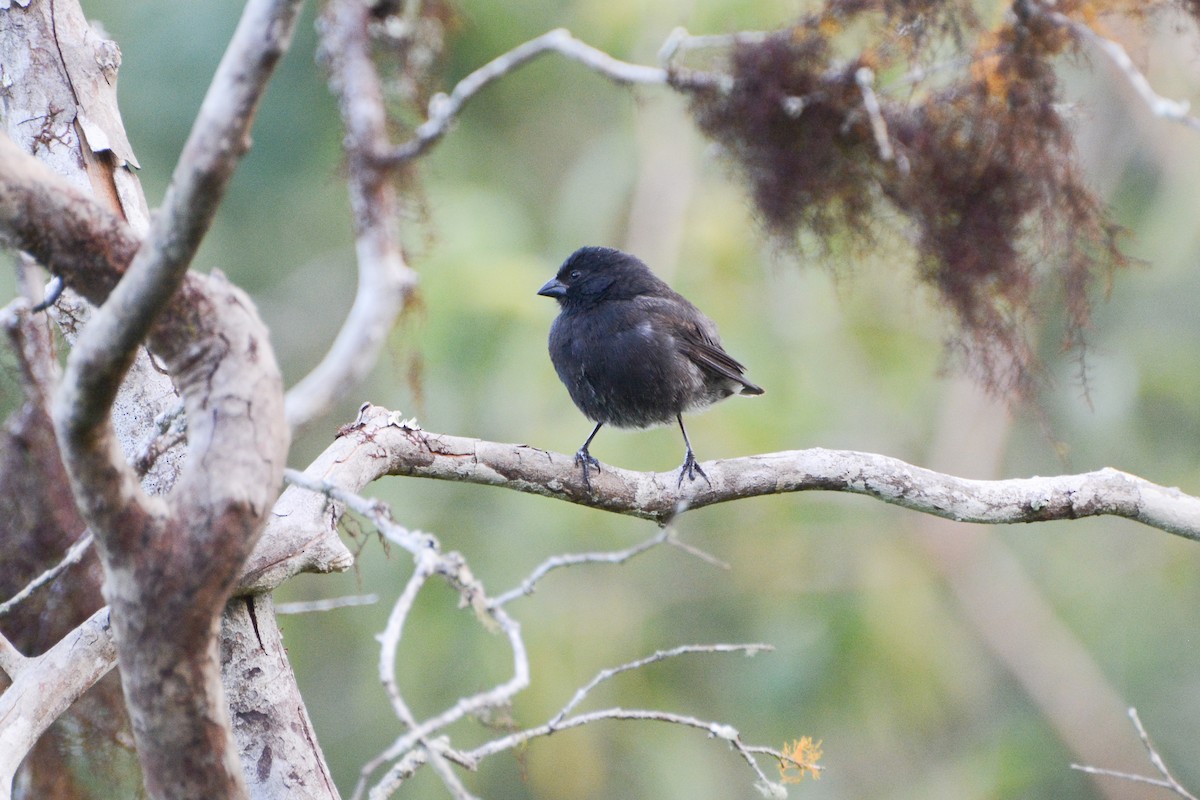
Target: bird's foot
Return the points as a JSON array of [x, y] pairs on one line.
[[691, 468], [586, 461]]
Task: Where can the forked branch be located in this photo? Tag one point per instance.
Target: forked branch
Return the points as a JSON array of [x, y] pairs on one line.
[[1166, 781], [424, 742]]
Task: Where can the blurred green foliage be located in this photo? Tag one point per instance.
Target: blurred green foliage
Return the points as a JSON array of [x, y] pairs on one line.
[[879, 653]]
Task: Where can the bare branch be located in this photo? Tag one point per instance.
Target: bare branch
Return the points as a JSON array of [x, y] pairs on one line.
[[444, 108], [329, 604], [73, 555], [661, 655], [452, 567], [430, 561], [716, 730], [46, 686], [1126, 776], [220, 136], [865, 78], [680, 41], [427, 565], [62, 227], [696, 552], [170, 564], [1154, 756], [471, 759], [665, 536], [1167, 781], [573, 559], [301, 536], [385, 281], [1159, 106], [415, 748], [402, 449], [389, 640], [784, 759], [379, 513]]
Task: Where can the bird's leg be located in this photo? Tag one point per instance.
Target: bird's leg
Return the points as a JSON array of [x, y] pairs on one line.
[[690, 467], [584, 459]]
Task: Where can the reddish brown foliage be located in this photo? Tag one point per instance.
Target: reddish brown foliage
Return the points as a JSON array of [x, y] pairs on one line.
[[786, 124], [984, 167]]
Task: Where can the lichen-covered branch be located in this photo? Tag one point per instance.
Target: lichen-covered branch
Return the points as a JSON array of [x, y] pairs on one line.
[[170, 561], [44, 687], [301, 536], [405, 449]]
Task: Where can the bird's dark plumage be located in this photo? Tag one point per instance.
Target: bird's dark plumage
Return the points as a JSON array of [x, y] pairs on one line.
[[631, 351]]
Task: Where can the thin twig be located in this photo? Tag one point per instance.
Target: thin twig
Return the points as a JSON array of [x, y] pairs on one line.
[[1167, 781], [782, 758], [1126, 776], [444, 108], [426, 566], [865, 78], [395, 777], [573, 559], [695, 552], [1155, 758], [404, 769], [329, 604], [429, 562], [1159, 106], [389, 640], [664, 536], [74, 554], [661, 655], [680, 41], [561, 722], [465, 706], [452, 567], [379, 513], [715, 729]]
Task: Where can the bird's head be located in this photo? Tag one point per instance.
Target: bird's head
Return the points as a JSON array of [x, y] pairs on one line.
[[592, 274]]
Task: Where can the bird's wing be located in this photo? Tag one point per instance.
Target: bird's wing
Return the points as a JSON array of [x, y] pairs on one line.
[[709, 356], [696, 336]]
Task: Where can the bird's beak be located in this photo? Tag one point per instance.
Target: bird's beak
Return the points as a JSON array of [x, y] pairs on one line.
[[553, 288]]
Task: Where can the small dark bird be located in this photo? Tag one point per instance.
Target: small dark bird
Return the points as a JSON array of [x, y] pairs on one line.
[[632, 352]]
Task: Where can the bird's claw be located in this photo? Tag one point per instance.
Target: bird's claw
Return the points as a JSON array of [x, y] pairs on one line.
[[587, 461], [691, 468]]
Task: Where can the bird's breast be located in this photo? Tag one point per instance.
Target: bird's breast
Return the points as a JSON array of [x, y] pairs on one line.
[[622, 369]]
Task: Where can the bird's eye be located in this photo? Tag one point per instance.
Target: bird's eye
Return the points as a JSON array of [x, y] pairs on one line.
[[575, 274]]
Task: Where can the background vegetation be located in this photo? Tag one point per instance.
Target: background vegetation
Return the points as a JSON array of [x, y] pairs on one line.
[[884, 652]]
